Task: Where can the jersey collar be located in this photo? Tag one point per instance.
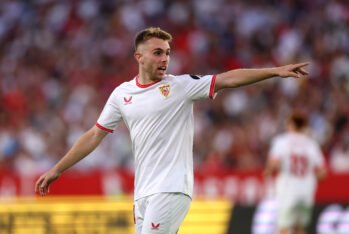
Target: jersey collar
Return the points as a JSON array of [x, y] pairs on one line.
[[146, 85]]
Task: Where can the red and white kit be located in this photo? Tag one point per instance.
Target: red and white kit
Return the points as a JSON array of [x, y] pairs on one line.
[[296, 182], [160, 119]]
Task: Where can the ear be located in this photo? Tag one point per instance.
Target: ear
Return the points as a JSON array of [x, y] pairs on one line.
[[138, 56]]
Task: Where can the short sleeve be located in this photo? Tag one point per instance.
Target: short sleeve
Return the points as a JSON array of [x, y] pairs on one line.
[[110, 116], [200, 87], [276, 149], [318, 156]]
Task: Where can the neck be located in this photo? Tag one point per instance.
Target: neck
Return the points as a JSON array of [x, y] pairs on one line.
[[145, 78], [296, 130], [143, 81]]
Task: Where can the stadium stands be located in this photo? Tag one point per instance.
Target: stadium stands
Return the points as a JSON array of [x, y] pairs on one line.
[[59, 61]]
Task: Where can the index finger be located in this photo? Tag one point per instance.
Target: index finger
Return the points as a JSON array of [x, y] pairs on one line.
[[299, 65]]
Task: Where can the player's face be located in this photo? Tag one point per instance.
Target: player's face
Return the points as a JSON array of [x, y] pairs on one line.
[[153, 57]]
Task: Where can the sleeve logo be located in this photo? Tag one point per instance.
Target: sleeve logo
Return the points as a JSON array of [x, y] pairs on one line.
[[195, 77]]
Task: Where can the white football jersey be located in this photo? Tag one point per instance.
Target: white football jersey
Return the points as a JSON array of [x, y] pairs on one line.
[[160, 119], [299, 157]]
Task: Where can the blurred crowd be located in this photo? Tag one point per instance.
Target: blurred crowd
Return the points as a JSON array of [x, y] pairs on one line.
[[60, 60]]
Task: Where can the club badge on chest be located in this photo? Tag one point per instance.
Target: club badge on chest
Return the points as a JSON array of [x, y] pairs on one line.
[[165, 90]]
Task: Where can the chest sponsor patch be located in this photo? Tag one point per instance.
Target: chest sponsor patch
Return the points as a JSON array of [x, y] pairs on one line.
[[165, 90]]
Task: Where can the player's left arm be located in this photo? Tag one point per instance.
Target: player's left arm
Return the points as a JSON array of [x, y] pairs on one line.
[[272, 167], [240, 77]]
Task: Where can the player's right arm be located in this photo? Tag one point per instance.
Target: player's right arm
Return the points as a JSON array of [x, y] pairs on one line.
[[321, 173], [320, 165], [81, 148]]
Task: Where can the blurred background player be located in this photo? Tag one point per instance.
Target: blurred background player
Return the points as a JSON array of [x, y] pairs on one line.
[[61, 59], [299, 162]]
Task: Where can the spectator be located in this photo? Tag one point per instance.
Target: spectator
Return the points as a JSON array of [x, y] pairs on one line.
[[53, 51]]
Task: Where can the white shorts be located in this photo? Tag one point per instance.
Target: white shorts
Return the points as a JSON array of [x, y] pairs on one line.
[[161, 213], [294, 211]]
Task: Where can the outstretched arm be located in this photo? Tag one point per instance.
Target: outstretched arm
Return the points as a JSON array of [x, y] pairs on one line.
[[240, 77], [82, 147]]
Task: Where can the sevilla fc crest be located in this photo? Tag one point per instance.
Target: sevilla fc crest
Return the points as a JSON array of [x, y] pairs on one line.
[[165, 90]]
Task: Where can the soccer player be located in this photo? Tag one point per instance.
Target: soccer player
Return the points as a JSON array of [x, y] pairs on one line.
[[158, 111], [299, 162]]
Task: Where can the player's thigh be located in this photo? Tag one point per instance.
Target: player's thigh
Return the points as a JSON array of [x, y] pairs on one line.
[[286, 214], [304, 215], [139, 212], [165, 212]]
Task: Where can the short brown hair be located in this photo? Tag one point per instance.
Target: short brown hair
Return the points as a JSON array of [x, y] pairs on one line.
[[298, 120], [151, 32]]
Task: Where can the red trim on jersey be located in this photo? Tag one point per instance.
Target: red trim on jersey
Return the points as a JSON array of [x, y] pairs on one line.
[[103, 128], [213, 83], [146, 85]]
